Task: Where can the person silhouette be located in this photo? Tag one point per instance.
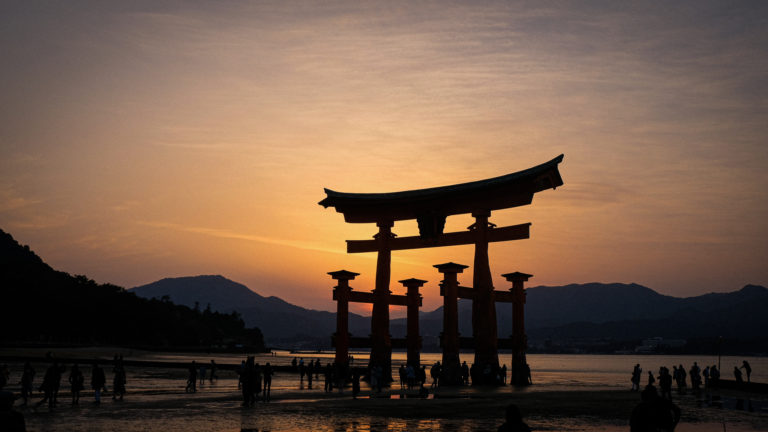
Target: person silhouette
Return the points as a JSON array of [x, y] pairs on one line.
[[246, 371], [268, 372], [435, 372], [654, 413], [410, 376], [747, 369], [212, 375], [118, 381], [527, 370], [192, 378], [10, 419], [249, 383], [514, 421], [714, 375], [202, 374], [737, 374], [681, 383], [76, 381], [27, 378], [4, 375], [98, 382], [695, 375], [240, 374], [258, 381], [50, 385], [636, 372], [705, 374], [665, 383], [340, 375]]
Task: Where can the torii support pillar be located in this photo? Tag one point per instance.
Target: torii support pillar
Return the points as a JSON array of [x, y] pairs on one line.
[[413, 339], [381, 340], [484, 331], [341, 295], [520, 368], [449, 289]]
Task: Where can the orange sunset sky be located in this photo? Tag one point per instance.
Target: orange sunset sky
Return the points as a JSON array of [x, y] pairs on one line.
[[140, 140]]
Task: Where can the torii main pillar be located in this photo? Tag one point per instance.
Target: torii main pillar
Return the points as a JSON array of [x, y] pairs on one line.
[[484, 330], [381, 340]]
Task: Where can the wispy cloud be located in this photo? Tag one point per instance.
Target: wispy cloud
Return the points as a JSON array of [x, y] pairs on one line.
[[208, 145], [228, 234], [39, 222], [125, 206], [10, 199]]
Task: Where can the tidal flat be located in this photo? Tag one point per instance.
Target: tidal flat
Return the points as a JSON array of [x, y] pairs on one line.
[[578, 395]]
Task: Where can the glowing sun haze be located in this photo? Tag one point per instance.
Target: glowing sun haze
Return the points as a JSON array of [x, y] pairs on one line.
[[140, 141]]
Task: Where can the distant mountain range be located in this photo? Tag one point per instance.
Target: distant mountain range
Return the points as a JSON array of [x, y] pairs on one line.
[[278, 320], [577, 311], [627, 311], [43, 306]]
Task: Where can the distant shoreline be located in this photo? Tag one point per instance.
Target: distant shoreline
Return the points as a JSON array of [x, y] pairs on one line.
[[249, 350]]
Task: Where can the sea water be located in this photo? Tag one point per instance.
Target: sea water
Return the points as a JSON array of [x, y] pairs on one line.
[[550, 372]]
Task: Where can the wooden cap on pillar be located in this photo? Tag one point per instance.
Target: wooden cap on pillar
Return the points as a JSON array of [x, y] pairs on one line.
[[412, 282], [516, 277], [343, 275], [450, 267]]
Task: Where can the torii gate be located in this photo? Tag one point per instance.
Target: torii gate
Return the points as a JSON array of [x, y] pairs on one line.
[[430, 207]]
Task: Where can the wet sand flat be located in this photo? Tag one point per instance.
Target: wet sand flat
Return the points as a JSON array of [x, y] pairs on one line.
[[447, 410], [156, 401]]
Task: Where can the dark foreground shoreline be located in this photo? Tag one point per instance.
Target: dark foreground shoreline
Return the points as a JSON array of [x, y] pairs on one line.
[[450, 409]]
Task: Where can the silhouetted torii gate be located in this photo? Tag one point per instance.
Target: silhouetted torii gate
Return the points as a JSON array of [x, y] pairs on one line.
[[430, 207]]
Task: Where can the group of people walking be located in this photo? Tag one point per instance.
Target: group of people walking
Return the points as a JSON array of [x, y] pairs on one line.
[[200, 373], [255, 381], [709, 377], [411, 376], [335, 375], [51, 383]]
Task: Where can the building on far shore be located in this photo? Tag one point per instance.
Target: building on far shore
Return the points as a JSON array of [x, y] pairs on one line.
[[652, 345]]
